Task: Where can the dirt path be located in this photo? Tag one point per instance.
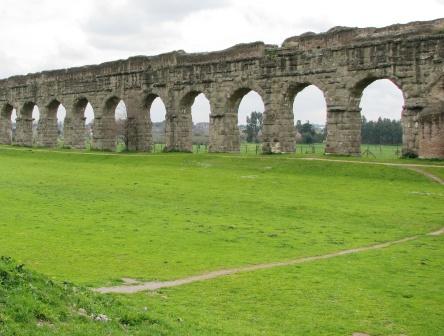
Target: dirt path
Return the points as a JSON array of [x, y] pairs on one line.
[[155, 285], [428, 174]]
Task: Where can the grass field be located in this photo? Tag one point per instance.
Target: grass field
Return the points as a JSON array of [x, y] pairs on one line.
[[377, 152], [93, 219]]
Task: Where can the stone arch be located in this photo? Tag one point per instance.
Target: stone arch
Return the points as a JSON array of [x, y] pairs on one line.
[[106, 126], [6, 110], [187, 100], [292, 89], [26, 109], [279, 125], [178, 127], [344, 114], [149, 99], [408, 126], [77, 133], [121, 118], [81, 107], [201, 112], [185, 117], [295, 90], [110, 104], [250, 102], [234, 100], [47, 129], [361, 84], [243, 87], [147, 130], [52, 107], [238, 93], [376, 98], [6, 131], [24, 131]]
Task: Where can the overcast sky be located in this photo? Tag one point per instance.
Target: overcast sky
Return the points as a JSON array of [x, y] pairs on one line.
[[39, 35]]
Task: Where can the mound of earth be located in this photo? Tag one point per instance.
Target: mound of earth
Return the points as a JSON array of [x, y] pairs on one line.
[[32, 304]]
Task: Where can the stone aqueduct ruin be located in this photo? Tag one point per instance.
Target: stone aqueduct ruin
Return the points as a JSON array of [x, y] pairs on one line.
[[341, 62]]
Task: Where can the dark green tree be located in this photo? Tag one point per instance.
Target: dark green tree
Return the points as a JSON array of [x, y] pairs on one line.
[[254, 127], [381, 132], [309, 134]]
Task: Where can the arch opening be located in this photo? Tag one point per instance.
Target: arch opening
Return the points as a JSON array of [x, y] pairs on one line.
[[249, 108], [309, 114], [121, 124], [51, 129], [193, 121], [35, 116], [200, 115], [60, 116], [196, 106], [13, 125], [381, 104], [157, 117], [13, 115], [79, 133]]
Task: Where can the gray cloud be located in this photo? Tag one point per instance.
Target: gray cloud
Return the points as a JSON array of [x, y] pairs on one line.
[[132, 23], [9, 66], [144, 41]]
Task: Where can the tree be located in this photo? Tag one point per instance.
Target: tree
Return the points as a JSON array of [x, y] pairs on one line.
[[122, 132], [254, 127], [381, 132], [307, 133]]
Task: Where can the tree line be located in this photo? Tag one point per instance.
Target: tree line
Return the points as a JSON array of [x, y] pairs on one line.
[[384, 131], [381, 132]]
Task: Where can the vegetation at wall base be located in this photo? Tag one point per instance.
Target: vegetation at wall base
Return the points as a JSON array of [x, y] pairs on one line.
[[33, 304]]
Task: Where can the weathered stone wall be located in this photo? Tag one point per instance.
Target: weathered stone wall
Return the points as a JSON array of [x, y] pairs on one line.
[[340, 62], [431, 121]]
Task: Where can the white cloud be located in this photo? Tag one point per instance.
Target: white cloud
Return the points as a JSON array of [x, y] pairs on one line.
[[310, 105], [8, 65], [382, 99]]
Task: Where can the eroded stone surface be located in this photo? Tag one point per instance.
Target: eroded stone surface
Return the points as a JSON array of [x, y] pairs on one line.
[[341, 62]]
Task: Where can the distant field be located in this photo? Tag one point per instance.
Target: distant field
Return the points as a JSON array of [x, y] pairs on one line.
[[378, 152], [93, 219], [368, 151]]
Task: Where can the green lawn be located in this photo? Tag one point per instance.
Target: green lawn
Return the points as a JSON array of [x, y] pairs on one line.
[[377, 152], [93, 219]]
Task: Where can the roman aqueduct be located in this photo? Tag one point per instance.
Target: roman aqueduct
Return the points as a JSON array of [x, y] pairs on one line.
[[340, 62]]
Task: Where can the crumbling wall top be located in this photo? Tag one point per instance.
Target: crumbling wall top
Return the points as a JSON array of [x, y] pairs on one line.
[[235, 53], [341, 36]]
